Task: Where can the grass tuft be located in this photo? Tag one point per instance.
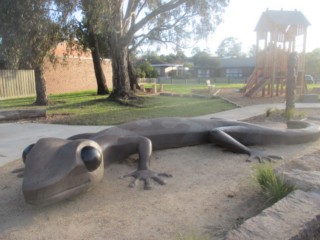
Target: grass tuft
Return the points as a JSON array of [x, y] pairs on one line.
[[272, 186], [293, 114]]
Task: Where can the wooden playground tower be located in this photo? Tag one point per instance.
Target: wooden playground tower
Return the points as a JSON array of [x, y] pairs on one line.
[[279, 33]]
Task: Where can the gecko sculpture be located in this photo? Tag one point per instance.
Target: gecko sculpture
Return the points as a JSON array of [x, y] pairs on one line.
[[56, 169]]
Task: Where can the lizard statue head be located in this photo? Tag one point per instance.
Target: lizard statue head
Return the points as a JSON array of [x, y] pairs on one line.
[[56, 169]]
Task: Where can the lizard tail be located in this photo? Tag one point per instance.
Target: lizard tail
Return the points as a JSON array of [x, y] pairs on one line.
[[300, 132], [297, 132]]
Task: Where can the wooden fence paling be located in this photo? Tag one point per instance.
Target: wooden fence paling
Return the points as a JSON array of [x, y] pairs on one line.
[[17, 83]]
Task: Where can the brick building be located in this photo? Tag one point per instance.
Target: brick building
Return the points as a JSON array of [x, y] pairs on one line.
[[74, 72]]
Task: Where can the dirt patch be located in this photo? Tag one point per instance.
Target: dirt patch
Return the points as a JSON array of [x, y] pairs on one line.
[[276, 115], [235, 96], [272, 115]]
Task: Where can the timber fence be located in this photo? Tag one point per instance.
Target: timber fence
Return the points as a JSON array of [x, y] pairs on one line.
[[17, 83]]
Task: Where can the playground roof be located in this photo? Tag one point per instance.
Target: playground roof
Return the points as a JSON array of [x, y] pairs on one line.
[[281, 18]]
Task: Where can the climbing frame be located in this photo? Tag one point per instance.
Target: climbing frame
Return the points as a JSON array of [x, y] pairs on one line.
[[278, 34]]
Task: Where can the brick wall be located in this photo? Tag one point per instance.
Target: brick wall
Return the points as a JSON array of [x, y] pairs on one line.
[[76, 74]]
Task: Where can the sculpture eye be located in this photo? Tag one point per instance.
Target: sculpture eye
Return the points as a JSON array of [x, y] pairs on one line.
[[25, 152], [91, 158]]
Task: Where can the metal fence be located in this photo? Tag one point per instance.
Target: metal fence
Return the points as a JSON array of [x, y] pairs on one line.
[[17, 83]]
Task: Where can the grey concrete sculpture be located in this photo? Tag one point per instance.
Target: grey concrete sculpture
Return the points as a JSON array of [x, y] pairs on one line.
[[57, 169]]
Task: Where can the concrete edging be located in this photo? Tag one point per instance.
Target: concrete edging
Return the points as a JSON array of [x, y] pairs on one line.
[[6, 115]]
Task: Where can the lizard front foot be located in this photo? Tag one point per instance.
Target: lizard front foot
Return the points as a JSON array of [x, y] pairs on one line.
[[146, 175]]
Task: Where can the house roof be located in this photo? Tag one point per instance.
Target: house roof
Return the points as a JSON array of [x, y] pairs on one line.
[[167, 65], [281, 18], [237, 62]]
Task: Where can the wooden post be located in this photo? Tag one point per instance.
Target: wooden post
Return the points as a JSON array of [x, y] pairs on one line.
[[142, 88], [161, 88], [154, 88]]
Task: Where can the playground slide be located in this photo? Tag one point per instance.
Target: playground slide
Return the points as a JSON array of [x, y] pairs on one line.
[[253, 91]]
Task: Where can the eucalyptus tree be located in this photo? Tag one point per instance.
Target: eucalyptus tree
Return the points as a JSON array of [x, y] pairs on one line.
[[131, 23], [90, 35], [30, 30]]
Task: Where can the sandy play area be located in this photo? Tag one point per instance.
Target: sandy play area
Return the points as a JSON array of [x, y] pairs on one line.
[[211, 192]]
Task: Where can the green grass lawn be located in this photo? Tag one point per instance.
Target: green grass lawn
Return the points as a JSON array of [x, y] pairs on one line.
[[86, 108], [187, 88]]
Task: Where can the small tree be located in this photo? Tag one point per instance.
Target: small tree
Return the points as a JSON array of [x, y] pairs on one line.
[[229, 47], [33, 28], [313, 63], [252, 51], [147, 70], [291, 83], [203, 59]]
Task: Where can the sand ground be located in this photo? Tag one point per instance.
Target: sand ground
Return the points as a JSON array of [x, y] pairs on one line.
[[211, 192]]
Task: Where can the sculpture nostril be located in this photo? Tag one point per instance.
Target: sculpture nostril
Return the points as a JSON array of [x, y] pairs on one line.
[[26, 152], [91, 158]]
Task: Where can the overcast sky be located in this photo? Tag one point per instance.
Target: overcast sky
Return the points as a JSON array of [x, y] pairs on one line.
[[241, 17]]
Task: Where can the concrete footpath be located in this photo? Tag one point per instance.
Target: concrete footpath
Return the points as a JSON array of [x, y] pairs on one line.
[[14, 137]]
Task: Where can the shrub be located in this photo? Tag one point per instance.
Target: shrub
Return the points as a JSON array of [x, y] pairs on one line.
[[145, 69]]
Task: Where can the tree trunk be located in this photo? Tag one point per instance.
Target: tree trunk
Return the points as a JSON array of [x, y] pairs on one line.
[[100, 78], [132, 76], [291, 82], [41, 91], [120, 73]]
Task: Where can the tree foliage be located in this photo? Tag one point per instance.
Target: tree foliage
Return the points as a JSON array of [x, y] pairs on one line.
[[30, 29], [252, 51], [229, 47], [145, 69], [153, 57], [313, 63], [204, 59]]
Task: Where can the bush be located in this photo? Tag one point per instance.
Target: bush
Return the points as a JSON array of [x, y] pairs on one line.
[[140, 74], [273, 187], [145, 69]]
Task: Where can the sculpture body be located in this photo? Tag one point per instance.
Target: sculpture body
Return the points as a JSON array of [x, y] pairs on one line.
[[57, 169]]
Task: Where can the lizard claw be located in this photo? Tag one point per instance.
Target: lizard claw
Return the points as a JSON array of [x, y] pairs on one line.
[[19, 172], [146, 176], [262, 156]]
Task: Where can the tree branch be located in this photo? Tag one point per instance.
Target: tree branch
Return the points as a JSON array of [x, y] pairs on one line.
[[161, 9], [150, 35], [130, 13]]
